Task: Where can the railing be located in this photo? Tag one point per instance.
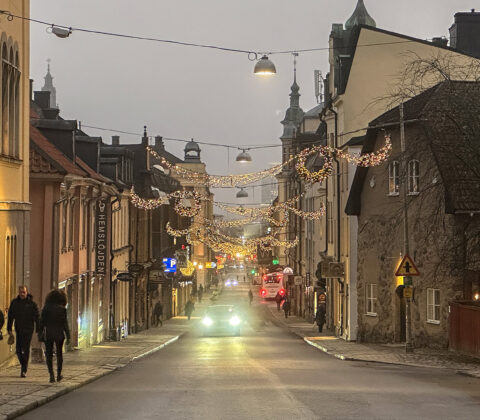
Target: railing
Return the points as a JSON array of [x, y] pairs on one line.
[[464, 331]]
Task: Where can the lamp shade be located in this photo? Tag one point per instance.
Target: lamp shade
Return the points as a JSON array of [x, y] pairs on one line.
[[264, 67], [242, 193], [244, 157]]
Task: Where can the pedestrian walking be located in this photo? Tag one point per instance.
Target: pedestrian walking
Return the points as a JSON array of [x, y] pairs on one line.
[[200, 293], [157, 314], [278, 299], [2, 322], [54, 330], [23, 312], [189, 308], [250, 296], [286, 307], [320, 316]]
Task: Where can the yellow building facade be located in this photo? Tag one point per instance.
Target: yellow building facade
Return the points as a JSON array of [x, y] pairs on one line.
[[14, 153]]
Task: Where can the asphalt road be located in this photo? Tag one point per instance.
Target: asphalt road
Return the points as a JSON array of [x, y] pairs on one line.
[[267, 373]]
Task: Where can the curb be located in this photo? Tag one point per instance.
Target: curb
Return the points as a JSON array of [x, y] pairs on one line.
[[342, 357], [39, 398]]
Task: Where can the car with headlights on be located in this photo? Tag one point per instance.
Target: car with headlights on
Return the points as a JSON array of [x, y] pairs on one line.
[[231, 282], [221, 319]]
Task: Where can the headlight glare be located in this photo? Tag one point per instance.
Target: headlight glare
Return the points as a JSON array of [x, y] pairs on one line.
[[234, 320], [207, 321]]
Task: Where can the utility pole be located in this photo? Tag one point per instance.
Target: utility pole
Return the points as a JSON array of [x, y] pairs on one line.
[[407, 280]]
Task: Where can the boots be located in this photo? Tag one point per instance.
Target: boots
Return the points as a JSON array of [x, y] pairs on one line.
[[59, 375], [52, 378]]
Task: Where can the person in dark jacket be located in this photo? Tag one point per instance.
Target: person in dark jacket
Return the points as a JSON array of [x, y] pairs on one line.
[[23, 312], [286, 306], [189, 308], [320, 316], [157, 314], [278, 299], [54, 329], [200, 293], [2, 322], [250, 296]]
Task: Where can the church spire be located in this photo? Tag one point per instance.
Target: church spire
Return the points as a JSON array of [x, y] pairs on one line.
[[48, 86], [294, 114], [360, 17]]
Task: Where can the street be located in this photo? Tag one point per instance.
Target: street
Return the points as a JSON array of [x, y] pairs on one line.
[[267, 373]]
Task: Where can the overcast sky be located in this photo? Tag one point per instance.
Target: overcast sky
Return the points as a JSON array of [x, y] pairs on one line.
[[185, 92]]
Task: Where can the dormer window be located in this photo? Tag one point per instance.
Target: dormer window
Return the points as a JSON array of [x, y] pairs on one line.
[[393, 178]]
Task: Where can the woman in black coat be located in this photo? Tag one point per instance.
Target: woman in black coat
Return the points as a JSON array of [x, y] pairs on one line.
[[54, 329]]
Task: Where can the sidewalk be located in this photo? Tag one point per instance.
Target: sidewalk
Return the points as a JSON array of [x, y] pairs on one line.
[[19, 395], [392, 354]]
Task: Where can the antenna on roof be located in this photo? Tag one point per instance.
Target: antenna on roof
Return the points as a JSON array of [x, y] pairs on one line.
[[318, 82]]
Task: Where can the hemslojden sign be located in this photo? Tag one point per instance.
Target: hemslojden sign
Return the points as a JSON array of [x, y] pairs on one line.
[[101, 230]]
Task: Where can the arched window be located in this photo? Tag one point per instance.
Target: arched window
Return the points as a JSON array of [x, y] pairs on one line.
[[5, 85], [393, 178], [413, 177], [10, 109]]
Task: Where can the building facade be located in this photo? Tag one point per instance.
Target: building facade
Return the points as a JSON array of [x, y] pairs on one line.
[[14, 155]]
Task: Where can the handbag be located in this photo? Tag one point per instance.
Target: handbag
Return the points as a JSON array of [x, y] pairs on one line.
[[11, 340]]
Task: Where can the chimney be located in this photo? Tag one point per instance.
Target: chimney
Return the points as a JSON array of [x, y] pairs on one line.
[[440, 41], [465, 33], [159, 142], [42, 99], [115, 140], [51, 113]]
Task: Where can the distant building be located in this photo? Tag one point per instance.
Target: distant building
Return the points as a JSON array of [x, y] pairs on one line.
[[48, 87]]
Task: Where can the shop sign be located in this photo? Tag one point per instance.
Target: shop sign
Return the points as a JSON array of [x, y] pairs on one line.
[[101, 235], [124, 277]]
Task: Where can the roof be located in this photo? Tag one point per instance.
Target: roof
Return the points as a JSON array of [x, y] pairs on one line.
[[90, 172], [315, 111], [52, 155], [449, 116], [350, 48]]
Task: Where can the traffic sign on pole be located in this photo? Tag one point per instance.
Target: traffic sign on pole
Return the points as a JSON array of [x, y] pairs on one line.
[[407, 268]]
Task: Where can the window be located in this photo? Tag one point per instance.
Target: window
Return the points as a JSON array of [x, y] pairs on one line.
[[10, 83], [64, 225], [433, 306], [71, 224], [371, 299], [413, 177], [10, 268], [85, 221], [393, 178]]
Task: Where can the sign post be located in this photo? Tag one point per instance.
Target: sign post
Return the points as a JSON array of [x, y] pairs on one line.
[[407, 269]]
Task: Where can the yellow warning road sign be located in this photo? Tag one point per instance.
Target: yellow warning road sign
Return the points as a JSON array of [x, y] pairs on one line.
[[407, 268]]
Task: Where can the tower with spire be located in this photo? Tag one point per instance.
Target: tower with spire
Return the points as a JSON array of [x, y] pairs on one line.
[[48, 86], [293, 115]]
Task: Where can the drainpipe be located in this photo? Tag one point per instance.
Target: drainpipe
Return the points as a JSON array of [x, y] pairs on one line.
[[112, 285], [342, 284]]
